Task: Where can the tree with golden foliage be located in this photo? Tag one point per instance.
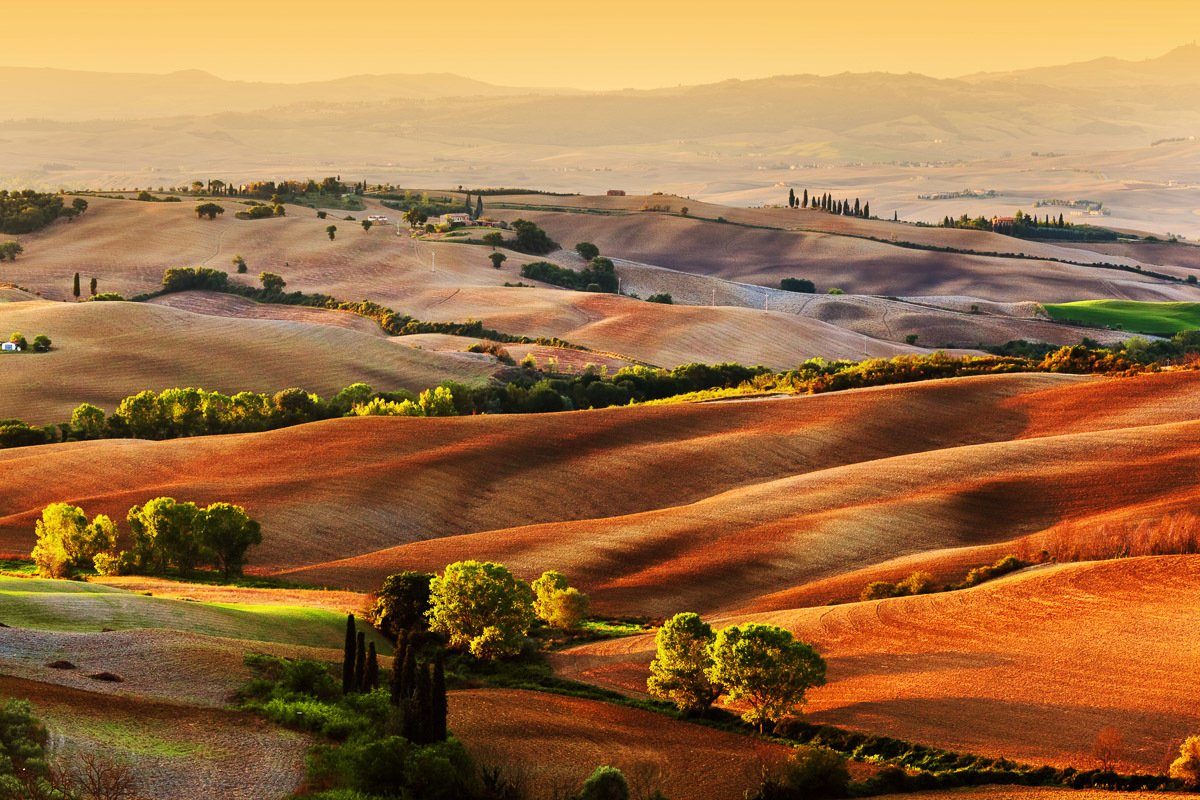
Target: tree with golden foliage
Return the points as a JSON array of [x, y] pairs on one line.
[[1186, 768]]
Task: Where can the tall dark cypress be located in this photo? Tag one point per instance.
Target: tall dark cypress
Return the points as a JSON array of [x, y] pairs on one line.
[[408, 675], [360, 661], [371, 672], [398, 657], [791, 198], [76, 286], [478, 206], [348, 656], [441, 704], [804, 202], [424, 706]]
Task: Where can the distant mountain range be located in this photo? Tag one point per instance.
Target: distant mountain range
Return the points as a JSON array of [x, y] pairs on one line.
[[69, 95]]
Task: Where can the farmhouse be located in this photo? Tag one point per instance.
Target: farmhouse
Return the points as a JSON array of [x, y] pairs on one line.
[[1003, 223], [10, 347], [456, 219]]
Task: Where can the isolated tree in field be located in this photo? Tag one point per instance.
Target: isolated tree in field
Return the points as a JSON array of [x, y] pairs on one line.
[[322, 214], [482, 608], [682, 659], [1107, 748], [239, 263], [227, 532], [797, 285], [1186, 768], [557, 603], [19, 340], [605, 783], [587, 251], [209, 210], [767, 668], [349, 651], [79, 205], [494, 239], [10, 250], [75, 287], [67, 541], [93, 285], [414, 217], [41, 343], [497, 259], [402, 603], [366, 225], [331, 231], [272, 282]]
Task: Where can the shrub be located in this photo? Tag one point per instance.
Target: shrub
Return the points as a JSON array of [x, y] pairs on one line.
[[181, 279], [878, 590], [661, 297], [558, 604], [272, 282], [605, 783], [41, 343], [811, 773], [106, 296], [917, 583]]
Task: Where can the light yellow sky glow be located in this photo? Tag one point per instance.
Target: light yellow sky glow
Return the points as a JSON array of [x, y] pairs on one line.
[[597, 45]]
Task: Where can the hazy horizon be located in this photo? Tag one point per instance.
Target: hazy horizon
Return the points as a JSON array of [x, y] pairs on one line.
[[626, 47]]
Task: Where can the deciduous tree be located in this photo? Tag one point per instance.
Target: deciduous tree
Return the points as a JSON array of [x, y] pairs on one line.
[[481, 608], [767, 668], [679, 671]]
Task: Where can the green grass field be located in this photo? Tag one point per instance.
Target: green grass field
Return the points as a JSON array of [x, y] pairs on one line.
[[84, 607], [1162, 319]]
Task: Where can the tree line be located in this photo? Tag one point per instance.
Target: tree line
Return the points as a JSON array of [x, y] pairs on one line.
[[829, 204], [163, 535]]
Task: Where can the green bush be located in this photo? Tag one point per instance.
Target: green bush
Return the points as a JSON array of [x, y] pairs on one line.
[[605, 783]]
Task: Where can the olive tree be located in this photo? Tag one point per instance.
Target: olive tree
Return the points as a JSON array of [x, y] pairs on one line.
[[481, 608], [767, 668], [682, 659]]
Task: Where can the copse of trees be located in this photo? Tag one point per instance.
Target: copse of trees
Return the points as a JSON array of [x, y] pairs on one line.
[[587, 251], [599, 276], [826, 202], [762, 665], [164, 534], [797, 285], [531, 239], [27, 211]]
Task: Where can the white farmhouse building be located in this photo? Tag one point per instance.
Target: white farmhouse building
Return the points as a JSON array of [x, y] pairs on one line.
[[10, 347]]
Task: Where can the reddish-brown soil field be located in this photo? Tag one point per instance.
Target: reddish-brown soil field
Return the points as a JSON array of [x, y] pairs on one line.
[[1031, 666], [549, 743]]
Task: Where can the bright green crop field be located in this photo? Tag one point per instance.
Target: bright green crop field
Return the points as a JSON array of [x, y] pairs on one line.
[[1161, 319]]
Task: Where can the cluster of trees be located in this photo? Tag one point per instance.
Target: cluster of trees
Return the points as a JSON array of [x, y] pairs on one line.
[[599, 276], [762, 665], [10, 250], [209, 210], [422, 205], [41, 342], [802, 285], [827, 203], [27, 211], [531, 240], [262, 211], [146, 197], [276, 191], [1030, 226], [164, 534], [476, 607]]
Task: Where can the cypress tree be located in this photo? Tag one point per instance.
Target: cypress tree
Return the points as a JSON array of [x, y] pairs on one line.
[[348, 656], [866, 210], [478, 206], [804, 202], [791, 198], [398, 658], [360, 661], [408, 675], [424, 706], [76, 285], [857, 208], [470, 208], [371, 672], [93, 287], [441, 705]]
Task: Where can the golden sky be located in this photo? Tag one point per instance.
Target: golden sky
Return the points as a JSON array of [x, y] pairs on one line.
[[602, 45]]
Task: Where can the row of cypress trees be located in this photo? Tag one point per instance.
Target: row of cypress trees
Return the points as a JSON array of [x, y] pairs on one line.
[[827, 203], [417, 686]]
